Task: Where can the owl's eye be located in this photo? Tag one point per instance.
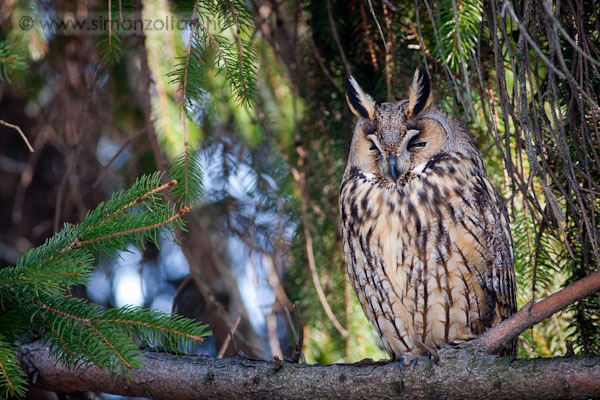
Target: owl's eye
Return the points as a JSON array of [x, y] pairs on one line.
[[415, 143], [374, 143]]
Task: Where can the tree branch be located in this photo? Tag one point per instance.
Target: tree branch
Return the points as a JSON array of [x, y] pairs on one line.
[[530, 314], [458, 375]]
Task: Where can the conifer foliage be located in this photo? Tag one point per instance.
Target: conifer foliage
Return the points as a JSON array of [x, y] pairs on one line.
[[35, 299]]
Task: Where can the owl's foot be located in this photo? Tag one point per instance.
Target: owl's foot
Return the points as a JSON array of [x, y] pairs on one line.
[[409, 360], [241, 355], [430, 356], [433, 356]]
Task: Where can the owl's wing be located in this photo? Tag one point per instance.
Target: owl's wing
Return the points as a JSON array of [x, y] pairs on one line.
[[499, 277]]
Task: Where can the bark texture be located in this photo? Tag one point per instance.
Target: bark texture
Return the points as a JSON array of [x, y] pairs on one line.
[[459, 374]]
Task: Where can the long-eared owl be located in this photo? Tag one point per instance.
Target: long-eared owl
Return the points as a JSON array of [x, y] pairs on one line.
[[426, 236]]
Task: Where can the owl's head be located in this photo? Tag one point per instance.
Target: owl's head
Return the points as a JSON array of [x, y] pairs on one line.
[[394, 141]]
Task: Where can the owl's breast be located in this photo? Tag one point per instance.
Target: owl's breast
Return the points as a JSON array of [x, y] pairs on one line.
[[414, 257]]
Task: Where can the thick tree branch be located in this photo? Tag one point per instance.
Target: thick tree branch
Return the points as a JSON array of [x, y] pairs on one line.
[[458, 375], [530, 314]]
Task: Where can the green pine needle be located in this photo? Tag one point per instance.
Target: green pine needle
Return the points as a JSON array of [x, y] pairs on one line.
[[9, 61], [219, 43], [12, 377], [458, 27], [110, 48], [179, 168]]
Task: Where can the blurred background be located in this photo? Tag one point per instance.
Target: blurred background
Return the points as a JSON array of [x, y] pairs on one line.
[[523, 77]]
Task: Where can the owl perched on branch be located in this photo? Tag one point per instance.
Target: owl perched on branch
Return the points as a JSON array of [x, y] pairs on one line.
[[426, 237]]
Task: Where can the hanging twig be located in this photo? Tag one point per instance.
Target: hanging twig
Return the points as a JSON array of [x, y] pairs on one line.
[[367, 36], [321, 64], [337, 38], [299, 177], [18, 129], [184, 91], [378, 26], [125, 144], [300, 338], [146, 95]]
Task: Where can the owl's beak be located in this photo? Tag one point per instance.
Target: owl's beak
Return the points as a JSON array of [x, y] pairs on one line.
[[398, 163], [393, 161]]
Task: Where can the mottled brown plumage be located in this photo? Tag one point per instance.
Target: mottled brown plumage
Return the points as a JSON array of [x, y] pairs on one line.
[[426, 237]]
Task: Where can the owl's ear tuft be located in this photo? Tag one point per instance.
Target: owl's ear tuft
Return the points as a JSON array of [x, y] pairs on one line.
[[420, 93], [361, 104]]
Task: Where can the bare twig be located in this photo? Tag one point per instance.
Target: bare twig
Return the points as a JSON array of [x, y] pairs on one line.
[[337, 38], [368, 36], [389, 4], [18, 129], [300, 339], [271, 320], [378, 26], [60, 192], [275, 283], [419, 36], [291, 323], [566, 35], [532, 43], [125, 144], [230, 338], [27, 175], [184, 91], [300, 178], [146, 95], [321, 64]]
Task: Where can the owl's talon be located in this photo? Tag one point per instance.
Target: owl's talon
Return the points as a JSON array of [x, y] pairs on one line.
[[241, 355], [409, 360], [433, 356]]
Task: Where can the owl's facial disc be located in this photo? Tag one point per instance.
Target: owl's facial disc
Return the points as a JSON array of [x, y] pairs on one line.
[[399, 157]]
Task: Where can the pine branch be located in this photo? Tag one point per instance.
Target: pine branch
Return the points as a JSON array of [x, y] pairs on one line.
[[187, 165], [458, 28], [211, 48], [134, 231], [138, 200], [33, 293], [12, 377], [239, 48]]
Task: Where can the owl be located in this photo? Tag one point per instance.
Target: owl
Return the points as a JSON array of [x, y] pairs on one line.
[[426, 236]]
